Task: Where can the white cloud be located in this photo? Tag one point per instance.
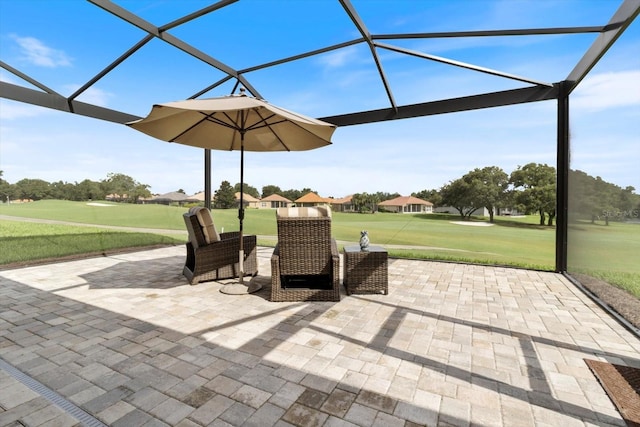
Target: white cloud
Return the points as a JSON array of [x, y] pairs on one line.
[[7, 77], [15, 110], [36, 52], [92, 95], [339, 58], [608, 90]]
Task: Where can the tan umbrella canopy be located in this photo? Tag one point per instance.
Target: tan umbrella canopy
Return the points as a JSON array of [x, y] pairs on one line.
[[233, 122], [236, 122]]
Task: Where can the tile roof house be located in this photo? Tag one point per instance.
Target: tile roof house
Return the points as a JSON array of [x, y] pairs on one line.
[[274, 201], [407, 204], [171, 197], [199, 196], [248, 200], [343, 204], [312, 199]]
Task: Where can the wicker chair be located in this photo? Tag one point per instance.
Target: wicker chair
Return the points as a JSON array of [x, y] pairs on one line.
[[305, 265], [213, 256]]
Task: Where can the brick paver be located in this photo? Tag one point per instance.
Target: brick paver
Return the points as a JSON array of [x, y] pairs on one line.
[[129, 341]]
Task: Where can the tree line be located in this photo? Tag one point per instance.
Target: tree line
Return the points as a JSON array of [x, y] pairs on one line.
[[119, 186], [530, 189]]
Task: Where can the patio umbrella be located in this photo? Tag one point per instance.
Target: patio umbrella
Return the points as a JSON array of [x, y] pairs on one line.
[[235, 122]]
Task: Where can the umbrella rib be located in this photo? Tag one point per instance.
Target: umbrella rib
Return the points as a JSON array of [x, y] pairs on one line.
[[188, 129], [216, 120], [264, 122], [269, 125], [232, 124]]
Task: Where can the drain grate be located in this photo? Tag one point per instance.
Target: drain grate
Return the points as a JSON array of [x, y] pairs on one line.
[[84, 417]]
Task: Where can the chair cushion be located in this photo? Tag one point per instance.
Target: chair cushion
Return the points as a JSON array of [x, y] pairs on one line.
[[312, 212], [206, 222]]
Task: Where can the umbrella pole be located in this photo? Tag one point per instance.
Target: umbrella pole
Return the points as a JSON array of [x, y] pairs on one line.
[[241, 210], [207, 178], [240, 288]]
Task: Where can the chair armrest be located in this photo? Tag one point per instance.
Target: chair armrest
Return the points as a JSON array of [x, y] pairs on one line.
[[335, 262], [275, 259], [275, 268], [229, 235], [334, 249]]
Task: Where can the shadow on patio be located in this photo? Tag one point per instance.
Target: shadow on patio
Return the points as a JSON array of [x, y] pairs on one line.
[[127, 340]]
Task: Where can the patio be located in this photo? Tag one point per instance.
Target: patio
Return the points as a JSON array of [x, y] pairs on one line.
[[123, 340]]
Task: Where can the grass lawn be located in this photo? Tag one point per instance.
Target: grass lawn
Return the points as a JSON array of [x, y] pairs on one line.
[[607, 252], [511, 241], [610, 253], [100, 213], [22, 242]]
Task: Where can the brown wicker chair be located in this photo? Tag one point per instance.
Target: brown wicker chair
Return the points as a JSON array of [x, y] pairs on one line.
[[305, 265], [211, 256]]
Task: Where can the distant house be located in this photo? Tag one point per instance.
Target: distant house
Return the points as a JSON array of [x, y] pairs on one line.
[[248, 200], [117, 197], [274, 201], [312, 199], [478, 212], [508, 212], [199, 196], [407, 204], [344, 204], [172, 197]]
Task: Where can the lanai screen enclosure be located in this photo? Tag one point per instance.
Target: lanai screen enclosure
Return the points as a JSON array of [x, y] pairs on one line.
[[379, 47]]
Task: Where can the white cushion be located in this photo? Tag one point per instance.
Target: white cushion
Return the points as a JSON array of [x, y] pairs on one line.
[[312, 212], [206, 222]]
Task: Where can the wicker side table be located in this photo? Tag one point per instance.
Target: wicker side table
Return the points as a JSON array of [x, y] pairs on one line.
[[365, 271]]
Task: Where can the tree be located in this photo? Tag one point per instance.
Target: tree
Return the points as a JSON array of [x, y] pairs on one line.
[[595, 198], [583, 201], [268, 190], [34, 189], [6, 190], [90, 190], [125, 187], [365, 202], [535, 186], [119, 185], [458, 194], [432, 196], [487, 187], [381, 196], [63, 191], [252, 191], [224, 197]]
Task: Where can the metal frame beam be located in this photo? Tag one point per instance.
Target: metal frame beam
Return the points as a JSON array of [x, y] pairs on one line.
[[60, 103], [163, 35], [355, 18], [467, 103], [111, 66], [562, 177], [619, 22], [27, 79], [460, 64], [492, 33]]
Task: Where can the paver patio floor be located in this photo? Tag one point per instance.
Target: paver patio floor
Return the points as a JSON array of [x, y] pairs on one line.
[[126, 340]]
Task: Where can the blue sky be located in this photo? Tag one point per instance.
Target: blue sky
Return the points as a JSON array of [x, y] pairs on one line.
[[63, 44]]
